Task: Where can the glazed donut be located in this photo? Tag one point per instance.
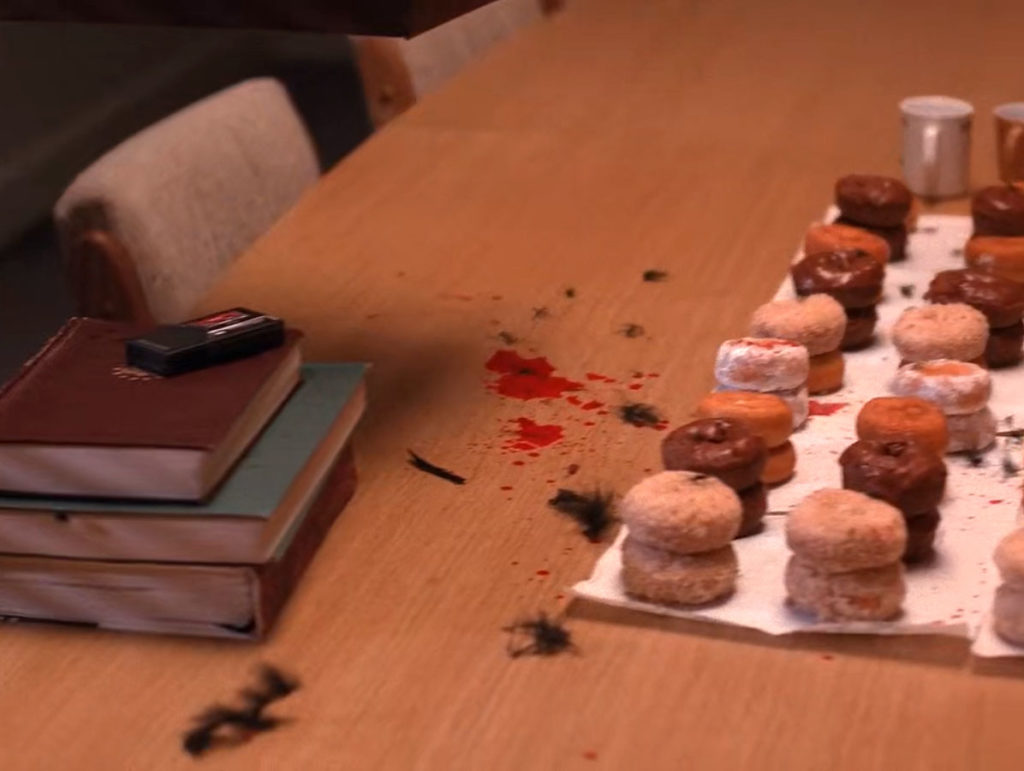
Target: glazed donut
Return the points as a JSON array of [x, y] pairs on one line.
[[682, 512], [1000, 299], [1009, 557], [873, 200], [902, 472], [904, 417], [828, 238], [1004, 347], [895, 237], [767, 415], [655, 575], [721, 447], [921, 532], [860, 328], [826, 373], [817, 322], [755, 506], [761, 364], [1001, 255], [780, 464], [954, 331], [842, 530], [972, 433], [957, 387], [1008, 613], [998, 210], [853, 278], [873, 594]]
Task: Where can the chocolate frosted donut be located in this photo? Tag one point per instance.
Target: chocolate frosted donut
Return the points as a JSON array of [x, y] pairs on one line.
[[1004, 347], [921, 536], [902, 472], [719, 447], [869, 199], [860, 328], [851, 277], [998, 211], [1000, 299], [895, 237], [755, 506]]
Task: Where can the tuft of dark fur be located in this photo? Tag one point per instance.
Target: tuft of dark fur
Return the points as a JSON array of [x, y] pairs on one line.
[[640, 415], [632, 330], [593, 510], [655, 275], [546, 637], [441, 473], [907, 290]]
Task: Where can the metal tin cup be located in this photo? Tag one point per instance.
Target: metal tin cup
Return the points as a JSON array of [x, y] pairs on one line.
[[1010, 141], [936, 145]]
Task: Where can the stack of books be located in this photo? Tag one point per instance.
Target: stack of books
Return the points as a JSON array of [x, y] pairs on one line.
[[187, 505]]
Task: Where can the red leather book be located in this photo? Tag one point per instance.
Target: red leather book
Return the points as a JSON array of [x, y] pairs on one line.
[[76, 421]]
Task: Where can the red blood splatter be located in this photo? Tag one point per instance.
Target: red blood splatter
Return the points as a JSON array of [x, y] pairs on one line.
[[549, 481], [543, 572], [506, 487], [531, 436], [496, 297], [572, 469], [590, 755], [827, 656], [636, 386], [527, 378], [559, 596], [824, 408], [515, 562], [534, 454], [996, 500], [599, 377], [371, 316], [653, 374], [574, 400], [518, 463], [638, 375], [590, 423], [593, 405]]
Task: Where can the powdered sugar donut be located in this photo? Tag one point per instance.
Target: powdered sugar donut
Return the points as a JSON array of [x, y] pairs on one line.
[[817, 322], [954, 331], [1008, 613], [656, 575], [870, 594], [971, 433], [957, 387], [1009, 558], [762, 364]]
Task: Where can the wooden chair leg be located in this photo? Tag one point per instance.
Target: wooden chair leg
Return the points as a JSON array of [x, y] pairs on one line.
[[387, 82], [103, 279]]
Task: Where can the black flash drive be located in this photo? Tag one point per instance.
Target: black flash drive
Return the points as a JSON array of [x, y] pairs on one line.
[[191, 345]]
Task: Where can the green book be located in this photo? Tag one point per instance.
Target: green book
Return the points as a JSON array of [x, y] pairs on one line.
[[248, 520]]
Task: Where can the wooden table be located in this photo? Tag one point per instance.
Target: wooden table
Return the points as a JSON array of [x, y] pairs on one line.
[[698, 138]]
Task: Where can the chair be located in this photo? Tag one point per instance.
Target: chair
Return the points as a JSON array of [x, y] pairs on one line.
[[148, 227], [396, 72]]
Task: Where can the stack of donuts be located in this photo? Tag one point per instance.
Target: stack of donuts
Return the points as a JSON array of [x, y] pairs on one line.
[[818, 323], [1008, 609], [767, 365], [879, 205], [768, 417], [1000, 300], [905, 474], [727, 449], [845, 564], [997, 244], [679, 547], [961, 390], [953, 331], [889, 418], [854, 279]]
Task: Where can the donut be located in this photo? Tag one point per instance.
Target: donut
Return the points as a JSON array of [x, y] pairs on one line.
[[721, 447], [817, 322], [860, 328], [826, 373], [954, 331], [1008, 614], [1000, 299], [780, 464], [874, 200], [998, 210], [767, 415], [872, 594], [842, 530], [1001, 255], [971, 433], [755, 505], [853, 278], [904, 417], [682, 512], [895, 237], [903, 473], [822, 237], [921, 532], [655, 575], [761, 364], [957, 387], [1009, 557], [1004, 347]]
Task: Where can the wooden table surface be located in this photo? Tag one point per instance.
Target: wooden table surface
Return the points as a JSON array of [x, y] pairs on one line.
[[694, 137]]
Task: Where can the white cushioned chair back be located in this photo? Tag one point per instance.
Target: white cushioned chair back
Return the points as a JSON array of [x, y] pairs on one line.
[[188, 194], [438, 54]]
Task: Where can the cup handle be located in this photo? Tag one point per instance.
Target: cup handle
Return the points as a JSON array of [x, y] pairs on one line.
[[930, 158]]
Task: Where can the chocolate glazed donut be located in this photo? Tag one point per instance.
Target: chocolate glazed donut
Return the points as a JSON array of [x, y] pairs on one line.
[[720, 447], [998, 211], [1005, 346], [896, 236], [1000, 299], [853, 278], [904, 473], [869, 199]]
